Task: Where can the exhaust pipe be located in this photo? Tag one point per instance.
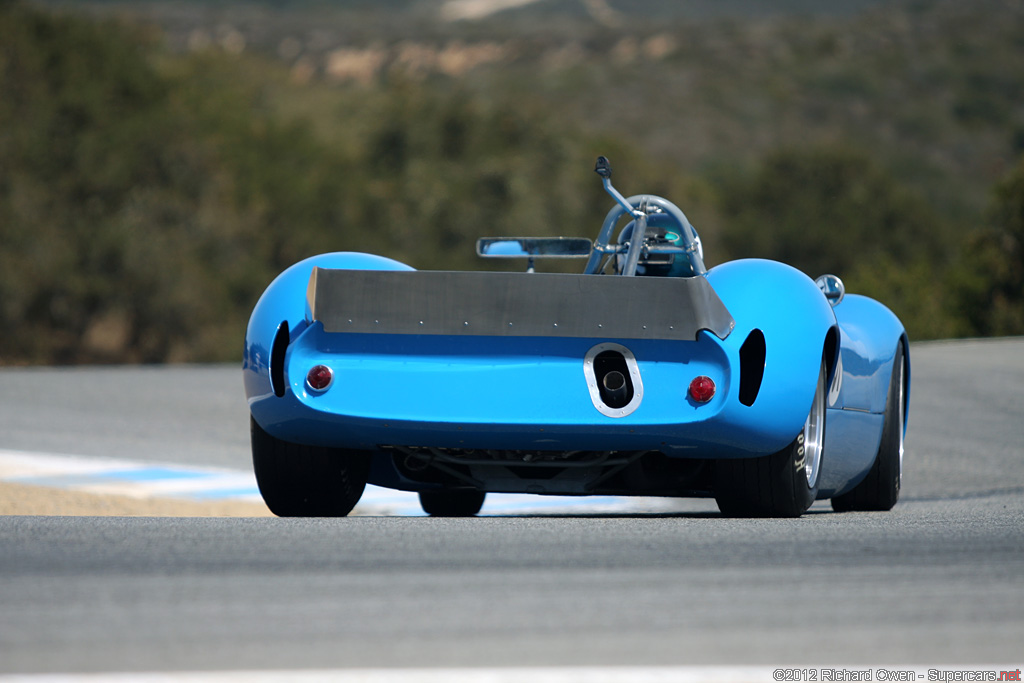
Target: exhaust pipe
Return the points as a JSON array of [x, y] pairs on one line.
[[615, 390], [613, 379]]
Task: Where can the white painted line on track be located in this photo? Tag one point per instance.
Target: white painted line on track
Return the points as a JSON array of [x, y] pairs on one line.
[[568, 674], [140, 479], [685, 674], [131, 478]]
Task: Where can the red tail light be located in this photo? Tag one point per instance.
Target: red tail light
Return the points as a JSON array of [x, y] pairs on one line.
[[702, 389], [319, 377]]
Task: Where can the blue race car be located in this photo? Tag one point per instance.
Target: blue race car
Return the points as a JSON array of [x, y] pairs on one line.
[[646, 375]]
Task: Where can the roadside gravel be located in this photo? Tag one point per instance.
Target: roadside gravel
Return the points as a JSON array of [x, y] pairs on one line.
[[18, 499]]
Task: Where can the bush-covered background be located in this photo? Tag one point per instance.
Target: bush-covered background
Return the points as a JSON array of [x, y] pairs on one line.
[[161, 162]]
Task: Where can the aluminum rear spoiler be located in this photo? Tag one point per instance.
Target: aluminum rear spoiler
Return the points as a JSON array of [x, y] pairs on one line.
[[515, 304]]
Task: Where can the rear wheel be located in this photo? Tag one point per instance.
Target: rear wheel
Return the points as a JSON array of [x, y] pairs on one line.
[[783, 484], [458, 503], [307, 481], [881, 487]]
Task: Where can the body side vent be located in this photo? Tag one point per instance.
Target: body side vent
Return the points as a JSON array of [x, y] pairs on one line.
[[752, 359], [277, 352]]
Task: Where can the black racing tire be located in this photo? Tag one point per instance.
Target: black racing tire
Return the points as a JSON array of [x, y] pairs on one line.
[[880, 489], [296, 480], [783, 484], [454, 503]]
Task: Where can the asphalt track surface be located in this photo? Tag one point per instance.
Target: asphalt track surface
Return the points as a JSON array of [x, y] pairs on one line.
[[939, 581]]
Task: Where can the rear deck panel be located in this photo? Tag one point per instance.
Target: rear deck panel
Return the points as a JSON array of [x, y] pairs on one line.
[[515, 305]]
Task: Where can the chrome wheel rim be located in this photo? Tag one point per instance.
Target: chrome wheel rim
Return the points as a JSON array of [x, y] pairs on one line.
[[814, 433], [901, 415]]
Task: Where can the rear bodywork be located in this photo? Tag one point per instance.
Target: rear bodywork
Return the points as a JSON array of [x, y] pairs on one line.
[[493, 380]]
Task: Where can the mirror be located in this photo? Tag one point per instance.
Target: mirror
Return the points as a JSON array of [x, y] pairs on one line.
[[832, 287], [531, 247]]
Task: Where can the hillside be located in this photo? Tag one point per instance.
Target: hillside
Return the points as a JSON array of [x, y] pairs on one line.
[[933, 88], [183, 153]]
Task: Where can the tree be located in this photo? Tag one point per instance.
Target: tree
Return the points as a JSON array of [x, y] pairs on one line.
[[988, 288], [835, 210], [826, 209]]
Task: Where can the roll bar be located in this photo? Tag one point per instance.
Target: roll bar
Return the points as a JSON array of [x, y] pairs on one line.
[[639, 207]]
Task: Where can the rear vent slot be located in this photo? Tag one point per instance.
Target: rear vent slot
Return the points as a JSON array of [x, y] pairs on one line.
[[277, 352], [752, 358]]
